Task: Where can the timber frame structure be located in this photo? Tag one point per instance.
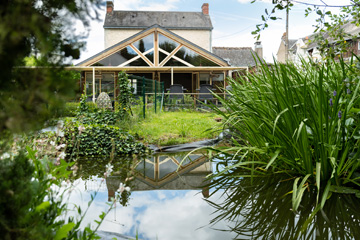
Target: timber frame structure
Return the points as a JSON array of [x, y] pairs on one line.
[[158, 54]]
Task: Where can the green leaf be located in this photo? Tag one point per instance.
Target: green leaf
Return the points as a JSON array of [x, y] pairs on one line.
[[318, 174], [325, 194], [42, 206], [63, 231], [275, 155]]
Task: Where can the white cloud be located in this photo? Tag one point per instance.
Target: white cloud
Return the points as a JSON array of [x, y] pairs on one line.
[[249, 1], [155, 214], [167, 5]]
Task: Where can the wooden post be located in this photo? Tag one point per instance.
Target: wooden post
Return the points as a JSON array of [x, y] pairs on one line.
[[93, 85], [144, 96], [172, 76]]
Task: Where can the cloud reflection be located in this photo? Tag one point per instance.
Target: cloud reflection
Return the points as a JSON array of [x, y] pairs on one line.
[[156, 214]]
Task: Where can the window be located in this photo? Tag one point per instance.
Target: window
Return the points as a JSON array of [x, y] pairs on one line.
[[204, 78], [128, 56], [167, 44], [145, 43], [108, 83], [218, 77], [193, 58], [89, 85]]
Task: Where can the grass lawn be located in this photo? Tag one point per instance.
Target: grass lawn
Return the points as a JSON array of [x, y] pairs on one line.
[[169, 128]]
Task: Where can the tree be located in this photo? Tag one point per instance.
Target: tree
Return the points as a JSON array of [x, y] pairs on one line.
[[330, 35], [43, 29], [40, 33]]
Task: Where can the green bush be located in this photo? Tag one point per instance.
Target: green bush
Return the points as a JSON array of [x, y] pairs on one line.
[[70, 109], [99, 140], [102, 116], [31, 208]]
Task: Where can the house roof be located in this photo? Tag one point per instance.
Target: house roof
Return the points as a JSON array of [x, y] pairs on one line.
[[292, 44], [121, 44], [236, 56], [169, 20], [348, 28]]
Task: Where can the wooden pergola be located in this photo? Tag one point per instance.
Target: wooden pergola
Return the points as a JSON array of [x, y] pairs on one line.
[[226, 70]]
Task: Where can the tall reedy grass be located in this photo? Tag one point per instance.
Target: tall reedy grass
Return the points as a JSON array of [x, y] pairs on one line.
[[302, 121]]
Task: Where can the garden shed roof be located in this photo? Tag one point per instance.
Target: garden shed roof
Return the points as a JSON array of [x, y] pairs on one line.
[[236, 56]]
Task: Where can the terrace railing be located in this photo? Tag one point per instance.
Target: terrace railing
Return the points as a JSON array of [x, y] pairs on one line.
[[150, 93]]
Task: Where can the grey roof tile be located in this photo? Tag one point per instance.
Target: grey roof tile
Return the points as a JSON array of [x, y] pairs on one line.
[[169, 20], [236, 56]]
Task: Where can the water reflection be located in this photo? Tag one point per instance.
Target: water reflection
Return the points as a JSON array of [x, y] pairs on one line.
[[261, 209], [163, 203]]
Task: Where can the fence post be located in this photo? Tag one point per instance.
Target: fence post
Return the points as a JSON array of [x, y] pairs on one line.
[[143, 93], [162, 104], [155, 95]]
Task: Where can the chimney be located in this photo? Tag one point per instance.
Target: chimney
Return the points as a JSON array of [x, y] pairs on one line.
[[109, 6], [259, 49], [205, 9]]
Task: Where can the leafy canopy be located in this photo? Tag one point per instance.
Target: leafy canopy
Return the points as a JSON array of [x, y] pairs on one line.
[[45, 30]]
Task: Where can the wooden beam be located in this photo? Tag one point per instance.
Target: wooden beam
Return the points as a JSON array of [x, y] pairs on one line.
[[142, 56], [156, 48], [129, 61], [117, 48], [171, 54], [93, 85], [175, 57], [197, 50], [172, 76], [151, 69]]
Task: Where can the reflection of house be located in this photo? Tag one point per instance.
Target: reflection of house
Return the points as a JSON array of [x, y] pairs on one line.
[[168, 172], [171, 47], [307, 47]]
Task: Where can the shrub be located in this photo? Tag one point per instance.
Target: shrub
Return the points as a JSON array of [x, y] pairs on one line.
[[31, 206], [99, 140], [102, 116]]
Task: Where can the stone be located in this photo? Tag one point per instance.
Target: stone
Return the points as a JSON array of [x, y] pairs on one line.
[[104, 101]]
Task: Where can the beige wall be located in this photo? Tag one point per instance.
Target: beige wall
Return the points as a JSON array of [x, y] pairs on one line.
[[281, 52], [114, 36], [201, 38]]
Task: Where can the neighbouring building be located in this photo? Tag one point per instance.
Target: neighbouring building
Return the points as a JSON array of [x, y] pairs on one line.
[[171, 47], [307, 47], [242, 57], [282, 48]]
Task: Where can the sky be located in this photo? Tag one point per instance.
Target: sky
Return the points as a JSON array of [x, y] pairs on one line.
[[156, 214], [233, 22]]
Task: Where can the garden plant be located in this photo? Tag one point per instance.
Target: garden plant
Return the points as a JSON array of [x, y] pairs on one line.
[[301, 121]]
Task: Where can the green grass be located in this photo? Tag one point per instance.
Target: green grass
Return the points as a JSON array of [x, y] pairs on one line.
[[169, 128]]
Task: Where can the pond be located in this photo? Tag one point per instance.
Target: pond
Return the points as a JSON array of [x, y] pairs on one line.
[[169, 200], [163, 203]]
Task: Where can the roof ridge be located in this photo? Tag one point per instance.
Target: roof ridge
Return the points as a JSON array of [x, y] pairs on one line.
[[233, 47], [157, 11]]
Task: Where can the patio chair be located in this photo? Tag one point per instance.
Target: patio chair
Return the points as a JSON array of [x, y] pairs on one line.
[[206, 88], [176, 88]]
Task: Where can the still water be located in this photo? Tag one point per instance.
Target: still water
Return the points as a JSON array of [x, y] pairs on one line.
[[163, 203], [170, 198]]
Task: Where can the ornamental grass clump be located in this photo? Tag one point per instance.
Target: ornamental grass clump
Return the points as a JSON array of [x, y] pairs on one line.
[[302, 121]]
